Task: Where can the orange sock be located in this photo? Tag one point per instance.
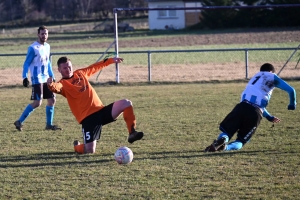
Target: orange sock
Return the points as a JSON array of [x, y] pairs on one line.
[[79, 148], [129, 118]]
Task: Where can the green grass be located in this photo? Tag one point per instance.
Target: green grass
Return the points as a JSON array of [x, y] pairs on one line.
[[71, 42], [165, 58], [17, 42], [179, 121]]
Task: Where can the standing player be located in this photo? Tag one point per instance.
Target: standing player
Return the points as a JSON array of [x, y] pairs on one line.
[[246, 116], [87, 107], [38, 63]]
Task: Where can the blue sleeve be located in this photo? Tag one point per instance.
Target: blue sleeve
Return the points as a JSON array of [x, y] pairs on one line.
[[50, 71], [267, 115], [279, 83], [29, 58]]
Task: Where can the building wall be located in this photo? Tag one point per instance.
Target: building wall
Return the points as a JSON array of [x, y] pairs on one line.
[[169, 21], [192, 18]]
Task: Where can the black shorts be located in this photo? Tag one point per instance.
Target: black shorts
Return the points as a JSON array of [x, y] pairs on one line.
[[243, 119], [92, 124], [41, 91]]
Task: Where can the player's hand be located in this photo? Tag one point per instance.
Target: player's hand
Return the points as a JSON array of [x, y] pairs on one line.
[[118, 60], [276, 120], [50, 80], [26, 82], [273, 119], [291, 107]]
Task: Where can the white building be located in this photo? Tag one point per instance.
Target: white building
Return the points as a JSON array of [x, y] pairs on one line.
[[172, 19]]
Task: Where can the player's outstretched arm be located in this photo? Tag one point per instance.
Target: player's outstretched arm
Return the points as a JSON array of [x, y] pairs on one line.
[[276, 120], [118, 60], [92, 69], [269, 117], [279, 83]]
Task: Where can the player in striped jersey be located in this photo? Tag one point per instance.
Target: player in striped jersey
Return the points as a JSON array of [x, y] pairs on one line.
[[38, 63], [246, 116]]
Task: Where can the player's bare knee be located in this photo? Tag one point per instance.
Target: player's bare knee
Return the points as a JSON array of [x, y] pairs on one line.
[[127, 102], [51, 101], [36, 104]]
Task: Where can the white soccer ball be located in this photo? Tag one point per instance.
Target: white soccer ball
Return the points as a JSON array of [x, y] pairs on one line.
[[123, 155]]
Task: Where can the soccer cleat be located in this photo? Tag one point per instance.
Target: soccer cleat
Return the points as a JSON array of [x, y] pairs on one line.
[[18, 125], [222, 147], [217, 145], [53, 127], [134, 136], [78, 148], [76, 142]]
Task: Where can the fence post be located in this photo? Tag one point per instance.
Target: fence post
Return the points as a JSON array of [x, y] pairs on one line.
[[149, 66], [116, 44], [246, 62]]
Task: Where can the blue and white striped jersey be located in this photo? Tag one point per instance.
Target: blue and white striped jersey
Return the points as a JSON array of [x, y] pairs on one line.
[[38, 63], [260, 87]]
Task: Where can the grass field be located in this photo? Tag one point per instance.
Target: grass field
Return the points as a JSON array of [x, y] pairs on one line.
[[179, 121]]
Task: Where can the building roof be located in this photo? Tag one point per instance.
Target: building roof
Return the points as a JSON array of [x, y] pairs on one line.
[[171, 0], [160, 0]]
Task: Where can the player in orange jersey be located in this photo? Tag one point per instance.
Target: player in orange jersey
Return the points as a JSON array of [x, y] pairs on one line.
[[87, 107]]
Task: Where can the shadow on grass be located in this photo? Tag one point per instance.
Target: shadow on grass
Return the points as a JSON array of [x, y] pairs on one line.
[[213, 154], [48, 157], [82, 159]]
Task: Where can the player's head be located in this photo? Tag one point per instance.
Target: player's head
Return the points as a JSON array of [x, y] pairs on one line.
[[267, 67], [42, 34], [65, 67], [42, 28]]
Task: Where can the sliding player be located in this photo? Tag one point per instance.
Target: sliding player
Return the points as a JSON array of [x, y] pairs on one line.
[[246, 115], [86, 105]]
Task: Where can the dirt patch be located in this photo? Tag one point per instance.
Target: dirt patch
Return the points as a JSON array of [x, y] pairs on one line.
[[165, 73], [250, 37]]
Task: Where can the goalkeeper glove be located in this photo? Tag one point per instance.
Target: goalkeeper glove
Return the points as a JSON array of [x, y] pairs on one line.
[[291, 107], [25, 82]]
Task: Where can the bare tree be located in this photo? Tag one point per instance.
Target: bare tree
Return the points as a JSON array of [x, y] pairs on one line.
[[58, 9], [103, 8], [2, 13], [12, 9], [28, 7], [84, 7]]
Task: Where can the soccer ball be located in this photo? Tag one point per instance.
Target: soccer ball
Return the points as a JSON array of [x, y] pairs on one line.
[[123, 155]]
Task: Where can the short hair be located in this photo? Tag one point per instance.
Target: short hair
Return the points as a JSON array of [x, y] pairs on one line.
[[42, 28], [267, 67], [63, 59]]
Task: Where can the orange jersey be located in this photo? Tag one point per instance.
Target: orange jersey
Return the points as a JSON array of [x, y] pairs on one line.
[[81, 96]]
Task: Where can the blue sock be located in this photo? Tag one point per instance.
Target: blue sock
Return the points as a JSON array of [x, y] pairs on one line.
[[224, 135], [235, 145], [28, 110], [49, 115]]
